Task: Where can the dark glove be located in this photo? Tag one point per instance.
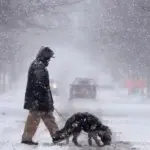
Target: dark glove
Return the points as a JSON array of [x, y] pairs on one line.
[[52, 109], [51, 101]]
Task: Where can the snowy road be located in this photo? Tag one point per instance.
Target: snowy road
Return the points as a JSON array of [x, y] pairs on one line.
[[130, 122]]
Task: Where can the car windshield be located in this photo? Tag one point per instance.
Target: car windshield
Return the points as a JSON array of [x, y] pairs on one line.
[[84, 81]]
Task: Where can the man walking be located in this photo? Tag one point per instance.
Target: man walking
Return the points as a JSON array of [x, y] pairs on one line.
[[38, 97]]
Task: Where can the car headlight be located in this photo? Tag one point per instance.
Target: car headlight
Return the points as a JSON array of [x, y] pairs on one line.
[[54, 86]]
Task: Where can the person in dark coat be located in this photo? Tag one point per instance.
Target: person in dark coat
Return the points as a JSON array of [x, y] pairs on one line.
[[38, 97]]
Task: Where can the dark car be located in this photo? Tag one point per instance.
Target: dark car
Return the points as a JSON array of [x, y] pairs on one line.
[[54, 87], [83, 88]]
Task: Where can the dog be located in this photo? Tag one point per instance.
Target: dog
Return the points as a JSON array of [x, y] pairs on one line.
[[84, 122]]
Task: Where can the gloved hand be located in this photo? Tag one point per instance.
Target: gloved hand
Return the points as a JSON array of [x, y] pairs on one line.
[[52, 109]]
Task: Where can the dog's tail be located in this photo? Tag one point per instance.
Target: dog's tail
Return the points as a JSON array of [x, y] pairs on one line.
[[64, 133]]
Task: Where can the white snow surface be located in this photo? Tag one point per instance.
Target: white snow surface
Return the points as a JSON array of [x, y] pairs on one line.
[[128, 117]]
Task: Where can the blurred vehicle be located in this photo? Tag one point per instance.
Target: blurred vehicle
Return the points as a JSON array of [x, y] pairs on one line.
[[83, 88], [54, 87]]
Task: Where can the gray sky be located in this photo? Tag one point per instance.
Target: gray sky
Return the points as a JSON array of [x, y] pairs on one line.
[[113, 35]]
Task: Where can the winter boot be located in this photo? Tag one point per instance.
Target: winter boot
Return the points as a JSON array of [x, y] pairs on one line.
[[29, 142], [57, 139]]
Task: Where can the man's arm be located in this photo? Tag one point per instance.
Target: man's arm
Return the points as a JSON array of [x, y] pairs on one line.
[[42, 77], [51, 96]]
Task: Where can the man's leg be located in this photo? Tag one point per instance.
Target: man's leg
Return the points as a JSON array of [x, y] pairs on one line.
[[50, 123], [31, 125]]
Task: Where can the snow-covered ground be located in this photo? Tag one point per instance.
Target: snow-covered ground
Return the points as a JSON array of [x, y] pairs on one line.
[[127, 116]]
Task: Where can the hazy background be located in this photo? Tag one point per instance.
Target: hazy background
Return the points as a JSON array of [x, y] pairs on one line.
[[89, 38]]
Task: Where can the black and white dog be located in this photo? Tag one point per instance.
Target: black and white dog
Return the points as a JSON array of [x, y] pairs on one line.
[[84, 122]]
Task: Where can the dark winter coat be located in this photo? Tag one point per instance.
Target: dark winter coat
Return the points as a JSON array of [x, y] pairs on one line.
[[38, 94]]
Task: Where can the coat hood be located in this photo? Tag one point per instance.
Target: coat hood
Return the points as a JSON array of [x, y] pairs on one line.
[[44, 54]]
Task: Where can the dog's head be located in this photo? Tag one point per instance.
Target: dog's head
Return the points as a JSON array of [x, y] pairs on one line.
[[106, 138], [105, 134], [105, 128]]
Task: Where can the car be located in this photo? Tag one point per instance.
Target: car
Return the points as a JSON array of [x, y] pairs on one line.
[[83, 88], [54, 87]]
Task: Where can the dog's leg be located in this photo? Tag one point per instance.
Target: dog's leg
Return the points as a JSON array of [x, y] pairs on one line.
[[94, 136], [75, 137], [100, 136], [67, 141], [90, 139]]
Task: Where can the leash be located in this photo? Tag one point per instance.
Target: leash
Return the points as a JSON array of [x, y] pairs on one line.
[[64, 118], [60, 114]]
